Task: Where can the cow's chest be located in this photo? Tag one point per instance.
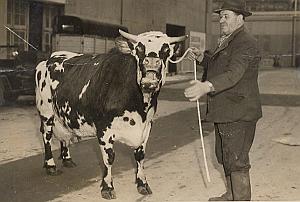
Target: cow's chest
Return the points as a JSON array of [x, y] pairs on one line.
[[130, 128]]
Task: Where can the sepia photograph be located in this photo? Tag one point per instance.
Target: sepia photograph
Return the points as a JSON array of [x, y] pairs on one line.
[[149, 100]]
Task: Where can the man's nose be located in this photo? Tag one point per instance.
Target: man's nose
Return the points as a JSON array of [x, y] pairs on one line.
[[222, 19]]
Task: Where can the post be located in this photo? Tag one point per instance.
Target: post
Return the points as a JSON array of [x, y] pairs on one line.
[[121, 12], [294, 35]]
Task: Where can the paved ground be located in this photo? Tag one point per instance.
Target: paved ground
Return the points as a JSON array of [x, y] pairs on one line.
[[174, 161]]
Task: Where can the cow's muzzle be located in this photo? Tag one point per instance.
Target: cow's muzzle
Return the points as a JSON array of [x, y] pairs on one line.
[[150, 82]]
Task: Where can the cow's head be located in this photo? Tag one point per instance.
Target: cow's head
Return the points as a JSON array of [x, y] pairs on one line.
[[152, 51]]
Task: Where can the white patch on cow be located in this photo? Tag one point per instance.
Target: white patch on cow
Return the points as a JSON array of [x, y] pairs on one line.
[[42, 96], [66, 108], [84, 89], [66, 54], [68, 155], [140, 174], [50, 162], [59, 66], [153, 41], [85, 130], [63, 133], [131, 134], [96, 63], [54, 84]]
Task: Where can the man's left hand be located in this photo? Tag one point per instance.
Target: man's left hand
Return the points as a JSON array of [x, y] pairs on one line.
[[197, 90]]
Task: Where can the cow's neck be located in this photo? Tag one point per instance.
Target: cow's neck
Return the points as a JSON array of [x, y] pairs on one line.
[[147, 100]]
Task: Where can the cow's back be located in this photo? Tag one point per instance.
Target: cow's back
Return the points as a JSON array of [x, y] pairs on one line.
[[96, 87]]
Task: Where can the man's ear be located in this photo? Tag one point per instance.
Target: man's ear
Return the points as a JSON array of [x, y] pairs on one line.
[[240, 18], [123, 45]]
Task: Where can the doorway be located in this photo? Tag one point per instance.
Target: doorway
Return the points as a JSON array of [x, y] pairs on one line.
[[35, 24], [175, 30]]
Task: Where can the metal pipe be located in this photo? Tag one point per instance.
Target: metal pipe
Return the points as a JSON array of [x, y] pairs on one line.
[[294, 35], [121, 12]]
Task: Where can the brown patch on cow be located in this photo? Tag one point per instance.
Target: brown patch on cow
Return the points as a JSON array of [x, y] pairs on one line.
[[132, 122], [126, 119]]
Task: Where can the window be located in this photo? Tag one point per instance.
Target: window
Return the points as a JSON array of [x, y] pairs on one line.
[[50, 11], [19, 12], [16, 20]]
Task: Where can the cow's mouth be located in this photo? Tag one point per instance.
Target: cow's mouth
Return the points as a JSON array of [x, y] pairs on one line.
[[150, 82]]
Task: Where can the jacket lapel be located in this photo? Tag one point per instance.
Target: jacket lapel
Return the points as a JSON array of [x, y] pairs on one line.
[[227, 41]]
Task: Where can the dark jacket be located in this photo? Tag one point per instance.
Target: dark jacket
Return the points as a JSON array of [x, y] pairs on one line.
[[233, 70]]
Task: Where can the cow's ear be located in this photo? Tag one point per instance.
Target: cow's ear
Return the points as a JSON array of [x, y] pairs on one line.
[[123, 45]]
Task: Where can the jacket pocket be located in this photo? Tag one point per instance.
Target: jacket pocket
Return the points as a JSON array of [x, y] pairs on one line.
[[235, 96]]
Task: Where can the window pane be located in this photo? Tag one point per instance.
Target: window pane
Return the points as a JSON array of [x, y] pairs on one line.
[[47, 15], [8, 37], [46, 38], [9, 18], [22, 22], [9, 5], [17, 20]]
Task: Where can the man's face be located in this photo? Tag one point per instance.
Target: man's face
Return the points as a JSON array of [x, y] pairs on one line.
[[229, 22]]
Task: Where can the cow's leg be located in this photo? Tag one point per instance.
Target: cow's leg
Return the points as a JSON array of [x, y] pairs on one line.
[[139, 155], [108, 155], [65, 155], [142, 184], [47, 131]]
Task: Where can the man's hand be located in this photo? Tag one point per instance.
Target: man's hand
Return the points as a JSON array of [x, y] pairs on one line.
[[197, 90], [195, 54]]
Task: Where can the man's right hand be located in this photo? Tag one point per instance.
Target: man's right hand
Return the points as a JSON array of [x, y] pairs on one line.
[[195, 54]]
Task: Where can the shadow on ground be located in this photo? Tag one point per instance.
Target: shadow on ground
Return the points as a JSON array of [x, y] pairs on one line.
[[25, 179]]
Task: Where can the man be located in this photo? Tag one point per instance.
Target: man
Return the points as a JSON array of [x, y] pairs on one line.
[[233, 97]]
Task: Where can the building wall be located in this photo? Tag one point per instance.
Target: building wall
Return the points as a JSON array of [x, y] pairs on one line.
[[137, 15], [148, 15], [144, 15], [98, 10], [2, 28]]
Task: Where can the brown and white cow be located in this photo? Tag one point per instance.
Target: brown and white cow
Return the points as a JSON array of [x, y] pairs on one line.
[[110, 96]]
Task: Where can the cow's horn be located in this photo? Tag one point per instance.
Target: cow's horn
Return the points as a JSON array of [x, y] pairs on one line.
[[128, 36], [178, 38]]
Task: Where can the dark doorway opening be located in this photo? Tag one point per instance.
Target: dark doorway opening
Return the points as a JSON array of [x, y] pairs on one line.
[[175, 30], [35, 25]]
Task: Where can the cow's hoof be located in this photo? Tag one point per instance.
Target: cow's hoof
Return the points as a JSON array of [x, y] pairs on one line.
[[68, 163], [108, 193], [144, 189], [53, 171]]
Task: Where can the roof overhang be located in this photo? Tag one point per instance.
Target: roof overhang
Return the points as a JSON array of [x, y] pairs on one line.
[[52, 1]]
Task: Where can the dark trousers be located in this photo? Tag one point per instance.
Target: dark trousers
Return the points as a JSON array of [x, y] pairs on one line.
[[233, 143]]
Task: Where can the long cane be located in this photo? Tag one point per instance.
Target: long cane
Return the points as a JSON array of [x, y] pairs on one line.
[[198, 110], [200, 127]]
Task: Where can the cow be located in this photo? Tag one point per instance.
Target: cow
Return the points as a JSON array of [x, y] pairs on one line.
[[110, 96]]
